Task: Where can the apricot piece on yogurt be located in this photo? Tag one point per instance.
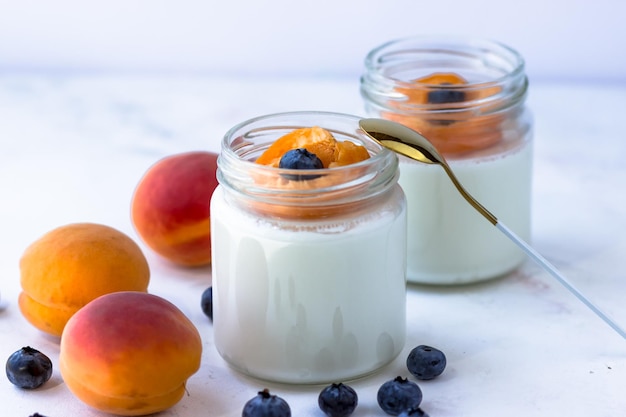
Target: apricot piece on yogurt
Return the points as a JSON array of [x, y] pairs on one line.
[[349, 153], [433, 93], [73, 264], [448, 112], [322, 145], [317, 141], [129, 353]]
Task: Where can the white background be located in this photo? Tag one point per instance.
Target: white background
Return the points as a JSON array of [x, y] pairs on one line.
[[561, 40]]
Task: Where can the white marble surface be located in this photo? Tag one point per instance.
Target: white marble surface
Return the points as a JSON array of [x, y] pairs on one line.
[[73, 148]]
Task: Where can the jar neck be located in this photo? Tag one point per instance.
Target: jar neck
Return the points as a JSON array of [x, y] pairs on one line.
[[495, 75], [465, 96], [302, 194]]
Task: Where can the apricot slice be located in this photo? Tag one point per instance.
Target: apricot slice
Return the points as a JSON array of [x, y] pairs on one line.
[[430, 89], [314, 139], [331, 152], [450, 127], [318, 141], [349, 153]]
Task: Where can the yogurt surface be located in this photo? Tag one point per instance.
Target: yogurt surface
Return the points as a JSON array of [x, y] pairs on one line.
[[308, 302]]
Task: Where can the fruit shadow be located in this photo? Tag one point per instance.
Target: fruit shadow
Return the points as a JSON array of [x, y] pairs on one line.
[[55, 381]]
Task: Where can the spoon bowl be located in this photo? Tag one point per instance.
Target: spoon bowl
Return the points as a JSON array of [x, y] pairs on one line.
[[406, 141], [402, 140]]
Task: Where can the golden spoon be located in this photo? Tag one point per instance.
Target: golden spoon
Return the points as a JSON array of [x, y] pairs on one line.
[[411, 144]]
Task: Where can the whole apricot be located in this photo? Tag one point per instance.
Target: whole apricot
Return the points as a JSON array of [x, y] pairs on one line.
[[170, 207], [73, 264], [129, 353]]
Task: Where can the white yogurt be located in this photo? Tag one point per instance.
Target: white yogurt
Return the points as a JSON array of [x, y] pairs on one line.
[[309, 301], [449, 241]]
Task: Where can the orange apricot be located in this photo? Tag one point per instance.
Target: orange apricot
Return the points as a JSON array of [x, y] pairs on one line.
[[73, 264], [318, 141], [170, 208], [331, 152], [314, 139], [129, 353], [349, 153]]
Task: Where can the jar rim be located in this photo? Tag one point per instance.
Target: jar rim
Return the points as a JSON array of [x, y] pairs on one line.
[[460, 92], [337, 186], [382, 153], [494, 75], [449, 44]]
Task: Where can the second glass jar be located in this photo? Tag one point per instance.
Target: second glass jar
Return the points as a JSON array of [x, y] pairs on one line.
[[467, 96]]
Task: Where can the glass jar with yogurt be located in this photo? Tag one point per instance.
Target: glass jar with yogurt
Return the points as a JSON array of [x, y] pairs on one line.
[[466, 96], [309, 271]]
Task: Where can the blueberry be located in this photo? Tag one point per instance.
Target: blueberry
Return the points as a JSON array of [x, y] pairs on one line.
[[426, 362], [398, 395], [300, 158], [266, 405], [338, 400], [28, 368], [206, 302], [37, 415], [413, 412], [444, 95]]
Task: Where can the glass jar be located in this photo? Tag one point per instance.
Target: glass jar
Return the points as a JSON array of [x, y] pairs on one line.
[[309, 267], [466, 96]]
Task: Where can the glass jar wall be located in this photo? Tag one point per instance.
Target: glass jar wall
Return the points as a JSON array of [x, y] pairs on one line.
[[467, 96]]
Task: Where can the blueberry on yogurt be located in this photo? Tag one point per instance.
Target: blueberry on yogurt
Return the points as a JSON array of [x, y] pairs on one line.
[[300, 158], [443, 96]]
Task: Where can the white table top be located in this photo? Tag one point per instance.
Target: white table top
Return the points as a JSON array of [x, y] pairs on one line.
[[73, 148]]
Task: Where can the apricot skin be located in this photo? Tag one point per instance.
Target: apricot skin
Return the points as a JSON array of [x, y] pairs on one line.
[[170, 207], [73, 264], [129, 353]]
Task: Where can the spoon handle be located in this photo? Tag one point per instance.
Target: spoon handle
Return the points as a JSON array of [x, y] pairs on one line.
[[413, 145], [532, 253], [556, 274]]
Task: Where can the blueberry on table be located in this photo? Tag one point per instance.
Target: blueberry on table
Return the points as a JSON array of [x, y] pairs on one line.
[[300, 158], [206, 302], [28, 368], [413, 412], [426, 362], [398, 395], [266, 405], [337, 400]]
